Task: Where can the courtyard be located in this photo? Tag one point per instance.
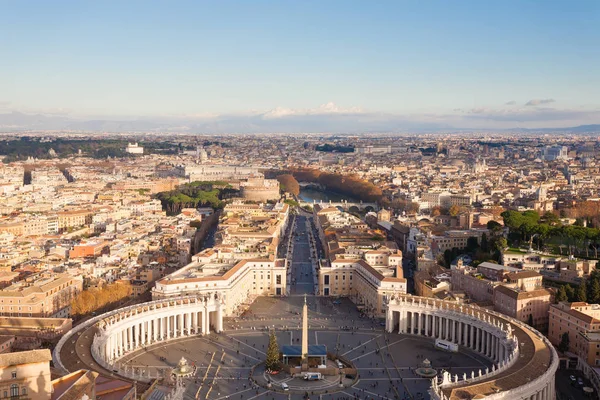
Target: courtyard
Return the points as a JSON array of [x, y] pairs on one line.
[[224, 362]]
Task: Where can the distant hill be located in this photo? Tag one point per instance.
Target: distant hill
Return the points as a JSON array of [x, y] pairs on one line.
[[256, 123], [583, 128]]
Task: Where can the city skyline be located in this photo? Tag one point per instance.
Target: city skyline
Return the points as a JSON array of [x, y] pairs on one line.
[[286, 66]]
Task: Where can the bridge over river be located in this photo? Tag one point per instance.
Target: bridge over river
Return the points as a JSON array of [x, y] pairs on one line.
[[343, 205]]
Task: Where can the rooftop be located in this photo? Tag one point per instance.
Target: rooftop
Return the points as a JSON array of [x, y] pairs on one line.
[[25, 357]]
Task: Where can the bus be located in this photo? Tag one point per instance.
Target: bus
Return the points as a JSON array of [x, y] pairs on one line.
[[313, 376], [445, 345]]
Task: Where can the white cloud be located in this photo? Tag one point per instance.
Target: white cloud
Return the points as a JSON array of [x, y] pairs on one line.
[[510, 103], [327, 117], [537, 102], [324, 109]]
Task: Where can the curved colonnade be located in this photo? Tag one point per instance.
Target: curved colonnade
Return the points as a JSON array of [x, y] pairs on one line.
[[524, 361], [128, 329]]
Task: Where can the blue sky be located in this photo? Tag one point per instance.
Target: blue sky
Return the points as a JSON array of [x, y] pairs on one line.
[[452, 62]]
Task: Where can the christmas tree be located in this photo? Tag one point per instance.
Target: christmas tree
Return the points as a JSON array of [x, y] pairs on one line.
[[272, 362]]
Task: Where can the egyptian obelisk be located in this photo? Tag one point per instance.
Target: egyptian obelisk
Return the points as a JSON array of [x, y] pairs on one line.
[[305, 331]]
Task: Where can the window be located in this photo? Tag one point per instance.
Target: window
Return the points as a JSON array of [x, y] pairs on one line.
[[14, 390], [14, 375], [278, 279], [24, 391]]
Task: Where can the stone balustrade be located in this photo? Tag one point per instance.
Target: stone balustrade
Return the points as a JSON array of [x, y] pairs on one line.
[[513, 347]]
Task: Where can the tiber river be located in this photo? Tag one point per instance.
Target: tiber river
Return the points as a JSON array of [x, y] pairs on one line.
[[308, 195]]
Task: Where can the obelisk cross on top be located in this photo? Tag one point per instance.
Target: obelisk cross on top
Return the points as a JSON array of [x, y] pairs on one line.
[[305, 331]]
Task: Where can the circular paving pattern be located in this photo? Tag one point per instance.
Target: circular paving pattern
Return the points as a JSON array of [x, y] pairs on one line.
[[228, 365]]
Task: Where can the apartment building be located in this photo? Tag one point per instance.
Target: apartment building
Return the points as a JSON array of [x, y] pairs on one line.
[[26, 375], [47, 295], [237, 281], [73, 219], [88, 249], [574, 270], [528, 306], [367, 286], [454, 238], [581, 321]]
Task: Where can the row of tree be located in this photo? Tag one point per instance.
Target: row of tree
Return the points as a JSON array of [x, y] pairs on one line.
[[99, 299], [289, 184], [329, 148], [25, 147], [528, 224], [351, 185], [486, 250], [195, 194], [588, 290], [399, 205]]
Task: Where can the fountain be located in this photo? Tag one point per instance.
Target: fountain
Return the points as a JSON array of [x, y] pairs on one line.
[[183, 370], [425, 370]]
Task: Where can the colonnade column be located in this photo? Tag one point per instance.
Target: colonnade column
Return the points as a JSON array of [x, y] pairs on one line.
[[470, 339], [143, 333], [120, 336], [115, 345], [483, 342], [206, 320], [426, 324], [219, 318], [453, 323]]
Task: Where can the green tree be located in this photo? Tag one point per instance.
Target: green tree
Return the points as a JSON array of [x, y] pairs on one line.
[[561, 295], [454, 210], [500, 244], [594, 295], [564, 342], [272, 361], [580, 294], [484, 243], [551, 218], [494, 226], [570, 292]]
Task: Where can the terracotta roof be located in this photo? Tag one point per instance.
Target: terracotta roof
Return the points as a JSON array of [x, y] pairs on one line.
[[521, 294], [513, 276], [73, 386], [25, 357]]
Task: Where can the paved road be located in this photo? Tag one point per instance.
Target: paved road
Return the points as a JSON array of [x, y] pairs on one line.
[[302, 275], [566, 390]]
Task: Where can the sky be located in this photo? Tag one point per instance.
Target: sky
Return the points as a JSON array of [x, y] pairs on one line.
[[389, 64]]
